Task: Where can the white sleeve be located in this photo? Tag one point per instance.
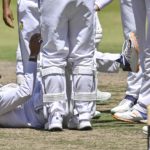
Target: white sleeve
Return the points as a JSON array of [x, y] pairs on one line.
[[102, 3], [26, 88], [106, 62], [11, 98]]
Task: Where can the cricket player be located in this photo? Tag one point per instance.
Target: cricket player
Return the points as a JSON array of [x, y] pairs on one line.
[[64, 42], [141, 10], [134, 79]]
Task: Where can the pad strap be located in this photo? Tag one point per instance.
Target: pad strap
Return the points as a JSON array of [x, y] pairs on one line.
[[52, 70], [53, 97], [84, 96], [83, 70]]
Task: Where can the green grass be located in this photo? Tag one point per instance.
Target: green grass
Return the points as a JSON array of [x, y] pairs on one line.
[[8, 37], [112, 28]]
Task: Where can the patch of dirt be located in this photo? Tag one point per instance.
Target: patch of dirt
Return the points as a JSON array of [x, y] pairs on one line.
[[7, 72]]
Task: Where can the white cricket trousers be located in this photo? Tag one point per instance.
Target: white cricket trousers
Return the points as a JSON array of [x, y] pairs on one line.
[[68, 36], [28, 22], [128, 24], [141, 10]]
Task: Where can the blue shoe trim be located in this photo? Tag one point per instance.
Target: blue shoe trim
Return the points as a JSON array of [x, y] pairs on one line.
[[131, 98], [144, 115]]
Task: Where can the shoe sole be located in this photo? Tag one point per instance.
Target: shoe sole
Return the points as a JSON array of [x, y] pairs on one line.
[[143, 121], [55, 127], [97, 116], [85, 128], [125, 120], [113, 112], [133, 39]]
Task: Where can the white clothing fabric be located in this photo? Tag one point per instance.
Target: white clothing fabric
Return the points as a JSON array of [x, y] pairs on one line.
[[66, 40], [141, 9], [35, 27], [127, 17], [128, 24], [134, 83], [28, 20], [106, 62], [18, 108], [102, 3], [99, 30]]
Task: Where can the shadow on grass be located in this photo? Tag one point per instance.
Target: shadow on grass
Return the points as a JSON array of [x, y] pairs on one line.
[[112, 124], [106, 111], [102, 104]]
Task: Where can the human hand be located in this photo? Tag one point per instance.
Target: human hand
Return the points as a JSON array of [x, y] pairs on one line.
[[8, 17], [34, 45]]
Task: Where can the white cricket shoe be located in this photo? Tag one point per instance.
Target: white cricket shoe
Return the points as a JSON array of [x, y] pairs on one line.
[[123, 106], [97, 115], [145, 129], [129, 116], [129, 59], [144, 121], [84, 125], [55, 122], [75, 124], [102, 97]]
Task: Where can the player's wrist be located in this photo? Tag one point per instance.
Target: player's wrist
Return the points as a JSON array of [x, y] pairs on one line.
[[33, 58]]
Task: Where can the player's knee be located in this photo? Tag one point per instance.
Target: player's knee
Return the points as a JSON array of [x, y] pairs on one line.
[[84, 83]]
